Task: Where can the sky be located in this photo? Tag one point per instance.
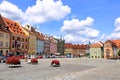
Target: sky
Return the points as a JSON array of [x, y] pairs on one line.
[[76, 21]]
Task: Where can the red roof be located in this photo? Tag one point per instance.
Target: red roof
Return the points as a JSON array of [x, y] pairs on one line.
[[95, 45], [14, 27], [75, 46], [116, 43]]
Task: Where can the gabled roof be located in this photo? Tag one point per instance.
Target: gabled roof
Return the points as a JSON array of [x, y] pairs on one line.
[[40, 36], [116, 43], [14, 27], [96, 45]]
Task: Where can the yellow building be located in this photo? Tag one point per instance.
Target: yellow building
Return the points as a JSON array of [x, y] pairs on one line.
[[4, 41], [68, 48], [32, 41]]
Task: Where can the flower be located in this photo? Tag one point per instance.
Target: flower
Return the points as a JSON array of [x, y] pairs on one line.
[[40, 57], [34, 61], [55, 63], [13, 61]]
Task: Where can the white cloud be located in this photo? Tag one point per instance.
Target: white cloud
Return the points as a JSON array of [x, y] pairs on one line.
[[47, 10], [75, 39], [117, 24], [116, 33], [78, 39], [42, 11], [11, 11], [83, 27]]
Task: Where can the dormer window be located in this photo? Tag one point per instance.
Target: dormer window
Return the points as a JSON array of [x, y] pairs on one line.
[[7, 22]]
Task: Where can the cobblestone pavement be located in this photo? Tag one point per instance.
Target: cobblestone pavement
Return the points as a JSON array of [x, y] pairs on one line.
[[70, 69]]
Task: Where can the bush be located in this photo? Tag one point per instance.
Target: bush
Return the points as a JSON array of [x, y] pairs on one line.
[[55, 63], [13, 61]]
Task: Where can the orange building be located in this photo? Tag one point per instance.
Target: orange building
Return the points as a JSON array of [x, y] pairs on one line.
[[68, 48], [75, 49], [18, 37], [111, 48], [79, 50]]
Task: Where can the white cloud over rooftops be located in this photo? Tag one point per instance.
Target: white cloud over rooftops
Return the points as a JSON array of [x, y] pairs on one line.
[[117, 24], [80, 27], [42, 11]]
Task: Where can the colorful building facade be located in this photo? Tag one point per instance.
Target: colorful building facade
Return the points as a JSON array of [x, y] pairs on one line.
[[75, 49], [53, 45], [4, 39], [18, 38], [40, 43], [96, 50], [111, 48], [68, 48], [31, 41], [46, 45]]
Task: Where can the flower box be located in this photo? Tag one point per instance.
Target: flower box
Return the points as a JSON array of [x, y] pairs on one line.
[[40, 57], [34, 61], [55, 63], [13, 61]]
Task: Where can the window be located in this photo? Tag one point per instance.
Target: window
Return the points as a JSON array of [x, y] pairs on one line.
[[23, 39], [26, 46], [12, 45], [6, 45], [22, 45], [1, 34], [7, 36], [1, 43], [0, 26], [1, 51], [26, 40], [13, 38]]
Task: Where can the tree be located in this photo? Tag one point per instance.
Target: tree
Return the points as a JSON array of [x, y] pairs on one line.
[[119, 53]]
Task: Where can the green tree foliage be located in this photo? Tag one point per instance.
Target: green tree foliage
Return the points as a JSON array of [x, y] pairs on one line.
[[119, 53]]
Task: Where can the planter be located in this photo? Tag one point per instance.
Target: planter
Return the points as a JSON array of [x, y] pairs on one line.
[[55, 63], [13, 61], [40, 57], [34, 61]]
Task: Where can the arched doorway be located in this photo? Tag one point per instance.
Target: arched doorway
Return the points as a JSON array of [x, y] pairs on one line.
[[107, 53]]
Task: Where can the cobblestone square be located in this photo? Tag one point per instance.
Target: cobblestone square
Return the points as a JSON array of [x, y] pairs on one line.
[[70, 69]]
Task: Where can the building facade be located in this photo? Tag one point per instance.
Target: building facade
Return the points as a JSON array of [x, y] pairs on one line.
[[40, 43], [18, 38], [53, 45], [96, 50], [31, 41], [79, 50], [4, 40], [111, 48], [68, 49], [75, 49], [46, 45]]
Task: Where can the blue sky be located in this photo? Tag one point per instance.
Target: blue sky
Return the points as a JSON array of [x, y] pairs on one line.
[[77, 21]]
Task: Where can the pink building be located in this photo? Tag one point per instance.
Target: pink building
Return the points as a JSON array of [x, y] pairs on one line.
[[53, 45]]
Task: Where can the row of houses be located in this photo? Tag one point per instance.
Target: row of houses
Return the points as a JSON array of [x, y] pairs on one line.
[[76, 49], [19, 40], [108, 49]]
